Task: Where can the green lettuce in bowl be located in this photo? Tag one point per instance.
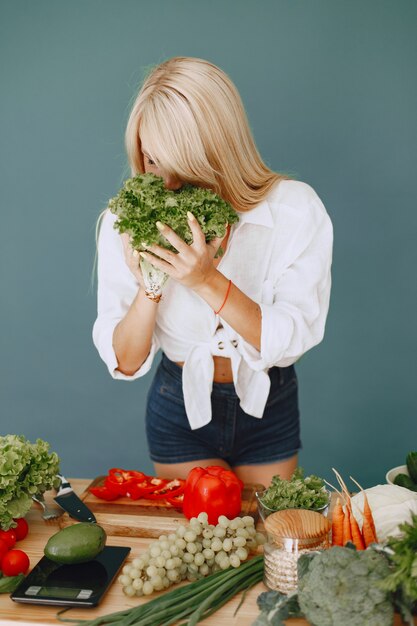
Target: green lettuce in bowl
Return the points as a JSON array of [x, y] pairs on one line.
[[298, 492]]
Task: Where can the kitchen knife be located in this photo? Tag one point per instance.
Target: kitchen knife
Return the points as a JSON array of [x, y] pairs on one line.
[[71, 503]]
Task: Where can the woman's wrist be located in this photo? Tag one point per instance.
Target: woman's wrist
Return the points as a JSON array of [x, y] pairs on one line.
[[143, 300], [215, 290]]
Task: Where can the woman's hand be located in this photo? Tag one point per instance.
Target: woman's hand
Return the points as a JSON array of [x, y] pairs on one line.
[[193, 264], [132, 259]]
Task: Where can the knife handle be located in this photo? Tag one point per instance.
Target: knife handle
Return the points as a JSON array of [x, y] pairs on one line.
[[64, 482]]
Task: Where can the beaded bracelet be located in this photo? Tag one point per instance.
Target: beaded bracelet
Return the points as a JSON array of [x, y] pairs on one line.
[[225, 298], [155, 297]]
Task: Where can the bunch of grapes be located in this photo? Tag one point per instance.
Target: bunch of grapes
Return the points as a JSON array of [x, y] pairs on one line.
[[193, 551]]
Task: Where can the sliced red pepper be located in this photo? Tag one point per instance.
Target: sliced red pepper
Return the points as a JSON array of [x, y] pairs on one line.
[[135, 485], [119, 488], [176, 500], [135, 491], [143, 489], [122, 481], [104, 493], [168, 490], [121, 475]]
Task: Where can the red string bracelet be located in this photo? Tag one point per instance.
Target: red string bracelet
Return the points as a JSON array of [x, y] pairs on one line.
[[225, 298]]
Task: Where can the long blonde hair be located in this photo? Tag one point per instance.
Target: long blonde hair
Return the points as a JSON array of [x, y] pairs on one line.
[[190, 117]]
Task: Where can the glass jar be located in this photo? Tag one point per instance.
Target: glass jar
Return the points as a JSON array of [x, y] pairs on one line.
[[291, 533]]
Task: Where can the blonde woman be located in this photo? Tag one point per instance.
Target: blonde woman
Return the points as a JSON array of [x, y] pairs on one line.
[[230, 328]]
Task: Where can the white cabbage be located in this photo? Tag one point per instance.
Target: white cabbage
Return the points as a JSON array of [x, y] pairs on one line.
[[391, 505]]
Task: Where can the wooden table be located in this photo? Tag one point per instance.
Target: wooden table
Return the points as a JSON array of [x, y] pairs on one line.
[[33, 615]]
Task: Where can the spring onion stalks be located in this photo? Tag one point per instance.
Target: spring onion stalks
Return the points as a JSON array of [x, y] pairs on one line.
[[217, 598], [246, 586], [165, 611], [174, 620], [167, 604], [195, 601]]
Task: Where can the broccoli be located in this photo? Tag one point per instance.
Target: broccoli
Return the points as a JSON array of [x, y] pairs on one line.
[[336, 587], [340, 586]]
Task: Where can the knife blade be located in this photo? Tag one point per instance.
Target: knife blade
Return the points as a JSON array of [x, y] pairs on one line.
[[71, 503]]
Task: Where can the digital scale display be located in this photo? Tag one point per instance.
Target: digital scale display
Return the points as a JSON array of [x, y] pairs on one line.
[[83, 584]]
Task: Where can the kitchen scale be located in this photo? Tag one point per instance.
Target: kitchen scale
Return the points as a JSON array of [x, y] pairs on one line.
[[81, 584]]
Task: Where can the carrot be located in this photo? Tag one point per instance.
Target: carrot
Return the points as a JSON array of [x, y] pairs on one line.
[[347, 532], [357, 538], [338, 517], [353, 533], [368, 526], [345, 490]]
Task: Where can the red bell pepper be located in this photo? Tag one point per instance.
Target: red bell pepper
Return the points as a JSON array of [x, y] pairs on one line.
[[214, 490]]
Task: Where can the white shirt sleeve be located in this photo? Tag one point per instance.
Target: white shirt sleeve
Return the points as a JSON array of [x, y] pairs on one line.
[[117, 288], [294, 315]]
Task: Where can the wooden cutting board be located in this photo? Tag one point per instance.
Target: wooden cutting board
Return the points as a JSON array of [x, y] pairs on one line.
[[146, 518]]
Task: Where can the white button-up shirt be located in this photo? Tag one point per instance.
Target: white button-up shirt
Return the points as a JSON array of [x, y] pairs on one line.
[[279, 254]]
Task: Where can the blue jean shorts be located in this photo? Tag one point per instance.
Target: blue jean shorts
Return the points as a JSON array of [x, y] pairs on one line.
[[232, 434]]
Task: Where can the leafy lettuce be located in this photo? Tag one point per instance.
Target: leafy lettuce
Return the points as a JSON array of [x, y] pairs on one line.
[[298, 492], [144, 200], [25, 469]]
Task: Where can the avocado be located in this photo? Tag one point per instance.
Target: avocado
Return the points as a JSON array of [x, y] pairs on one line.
[[78, 543]]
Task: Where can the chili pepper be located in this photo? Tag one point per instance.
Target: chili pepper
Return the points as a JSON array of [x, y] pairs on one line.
[[214, 490]]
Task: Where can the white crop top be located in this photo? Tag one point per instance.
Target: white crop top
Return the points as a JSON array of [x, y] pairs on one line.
[[279, 254]]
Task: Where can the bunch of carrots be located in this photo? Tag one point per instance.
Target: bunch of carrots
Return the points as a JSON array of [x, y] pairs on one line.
[[345, 528]]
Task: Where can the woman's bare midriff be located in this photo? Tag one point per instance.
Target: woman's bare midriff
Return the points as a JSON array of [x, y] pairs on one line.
[[222, 365], [222, 369]]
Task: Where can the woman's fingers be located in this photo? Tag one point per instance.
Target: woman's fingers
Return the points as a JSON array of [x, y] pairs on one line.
[[189, 264], [214, 244], [129, 252], [198, 235], [125, 241], [163, 253], [157, 262], [178, 243], [132, 258], [199, 239]]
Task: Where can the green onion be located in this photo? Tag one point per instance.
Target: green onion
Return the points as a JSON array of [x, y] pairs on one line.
[[193, 602]]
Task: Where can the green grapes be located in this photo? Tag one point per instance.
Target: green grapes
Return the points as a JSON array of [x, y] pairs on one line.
[[195, 550]]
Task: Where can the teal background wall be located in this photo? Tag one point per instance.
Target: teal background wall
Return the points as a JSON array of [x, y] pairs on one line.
[[330, 89]]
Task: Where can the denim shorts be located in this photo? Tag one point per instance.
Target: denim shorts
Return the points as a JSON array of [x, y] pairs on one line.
[[232, 434]]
